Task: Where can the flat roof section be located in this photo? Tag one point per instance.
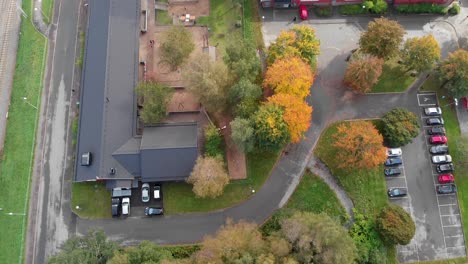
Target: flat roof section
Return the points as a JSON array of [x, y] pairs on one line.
[[170, 136]]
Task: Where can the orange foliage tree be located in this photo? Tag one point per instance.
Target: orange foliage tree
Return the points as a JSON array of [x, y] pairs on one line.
[[297, 114], [359, 145], [363, 73], [290, 75]]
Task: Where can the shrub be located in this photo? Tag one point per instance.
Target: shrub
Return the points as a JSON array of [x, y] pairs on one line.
[[395, 225], [454, 10], [356, 9], [380, 7], [400, 126], [323, 11], [422, 8], [213, 141]]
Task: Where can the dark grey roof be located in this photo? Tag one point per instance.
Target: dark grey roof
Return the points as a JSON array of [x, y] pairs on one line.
[[169, 136]]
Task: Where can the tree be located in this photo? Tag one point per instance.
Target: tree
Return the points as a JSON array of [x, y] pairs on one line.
[[297, 114], [243, 134], [92, 248], [156, 97], [420, 54], [145, 252], [271, 131], [395, 225], [208, 81], [244, 96], [400, 126], [289, 75], [213, 141], [358, 145], [241, 59], [209, 177], [454, 74], [232, 244], [176, 46], [363, 73], [316, 238], [299, 41], [382, 38]]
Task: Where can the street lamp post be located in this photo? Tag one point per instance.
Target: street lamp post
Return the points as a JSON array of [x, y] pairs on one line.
[[25, 99]]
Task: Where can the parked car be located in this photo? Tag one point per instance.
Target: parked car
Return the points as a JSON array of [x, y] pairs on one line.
[[435, 121], [126, 206], [440, 149], [432, 111], [436, 131], [445, 167], [438, 139], [86, 159], [150, 211], [446, 189], [392, 171], [441, 159], [393, 161], [397, 192], [446, 178], [394, 152], [303, 12], [145, 196], [157, 192], [115, 207]]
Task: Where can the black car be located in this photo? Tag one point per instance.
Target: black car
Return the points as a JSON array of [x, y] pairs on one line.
[[149, 211], [445, 167], [392, 172], [435, 121], [393, 161], [440, 149], [397, 192], [115, 207], [436, 131], [446, 189]]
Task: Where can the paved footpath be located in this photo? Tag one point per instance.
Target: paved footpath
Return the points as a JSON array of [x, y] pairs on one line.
[[9, 32]]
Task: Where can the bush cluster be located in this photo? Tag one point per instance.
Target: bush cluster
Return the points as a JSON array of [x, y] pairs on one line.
[[213, 142], [422, 8], [352, 9], [323, 11], [367, 7], [454, 10]]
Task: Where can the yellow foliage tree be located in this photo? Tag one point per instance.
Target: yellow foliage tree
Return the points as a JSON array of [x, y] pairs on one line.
[[289, 75], [297, 114]]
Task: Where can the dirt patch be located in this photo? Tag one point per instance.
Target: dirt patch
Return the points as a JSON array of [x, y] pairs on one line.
[[183, 101], [194, 8], [235, 158]]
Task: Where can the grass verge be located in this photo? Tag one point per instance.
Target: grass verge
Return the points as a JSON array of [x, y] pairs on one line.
[[393, 79], [18, 156], [163, 17], [457, 149], [252, 26], [92, 199], [79, 60], [47, 8], [179, 198]]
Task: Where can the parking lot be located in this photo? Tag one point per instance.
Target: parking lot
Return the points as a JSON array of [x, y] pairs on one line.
[[439, 232], [137, 206]]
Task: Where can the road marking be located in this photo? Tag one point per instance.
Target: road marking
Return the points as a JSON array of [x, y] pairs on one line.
[[456, 247], [448, 204], [452, 226], [454, 236], [450, 215]]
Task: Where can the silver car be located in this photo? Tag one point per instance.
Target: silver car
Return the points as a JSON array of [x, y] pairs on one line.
[[145, 189], [441, 159], [432, 111]]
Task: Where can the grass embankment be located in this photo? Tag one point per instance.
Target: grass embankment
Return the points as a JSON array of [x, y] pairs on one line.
[[79, 60], [179, 197], [394, 78], [455, 146], [17, 160], [47, 7], [92, 199]]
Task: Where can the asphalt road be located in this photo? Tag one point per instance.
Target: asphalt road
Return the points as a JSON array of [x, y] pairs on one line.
[[50, 220]]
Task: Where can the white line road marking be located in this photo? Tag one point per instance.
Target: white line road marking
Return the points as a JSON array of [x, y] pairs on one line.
[[452, 226], [450, 215], [448, 204]]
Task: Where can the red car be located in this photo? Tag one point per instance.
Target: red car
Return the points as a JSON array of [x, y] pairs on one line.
[[303, 12], [446, 178], [438, 139]]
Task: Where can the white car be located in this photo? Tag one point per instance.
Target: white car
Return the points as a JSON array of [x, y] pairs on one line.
[[145, 196], [441, 159], [126, 206], [432, 111], [394, 152], [157, 192]]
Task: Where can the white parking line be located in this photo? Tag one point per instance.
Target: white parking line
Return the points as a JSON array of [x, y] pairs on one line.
[[455, 247], [448, 204], [454, 236], [450, 215], [452, 226], [396, 198], [447, 194]]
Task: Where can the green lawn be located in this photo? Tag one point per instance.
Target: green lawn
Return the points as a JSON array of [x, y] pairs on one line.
[[454, 139], [252, 27], [92, 198], [16, 163], [393, 78], [47, 7], [179, 198], [163, 17]]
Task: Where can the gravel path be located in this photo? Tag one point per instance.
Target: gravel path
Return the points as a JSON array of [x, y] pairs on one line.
[[320, 169]]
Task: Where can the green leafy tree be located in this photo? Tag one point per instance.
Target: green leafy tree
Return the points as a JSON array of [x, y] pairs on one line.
[[176, 45], [156, 97], [400, 126], [241, 59], [420, 54], [271, 130], [213, 141], [395, 225], [453, 72], [243, 134], [92, 248], [316, 238], [244, 96], [145, 252], [363, 73], [208, 81], [382, 38], [209, 177], [299, 41]]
